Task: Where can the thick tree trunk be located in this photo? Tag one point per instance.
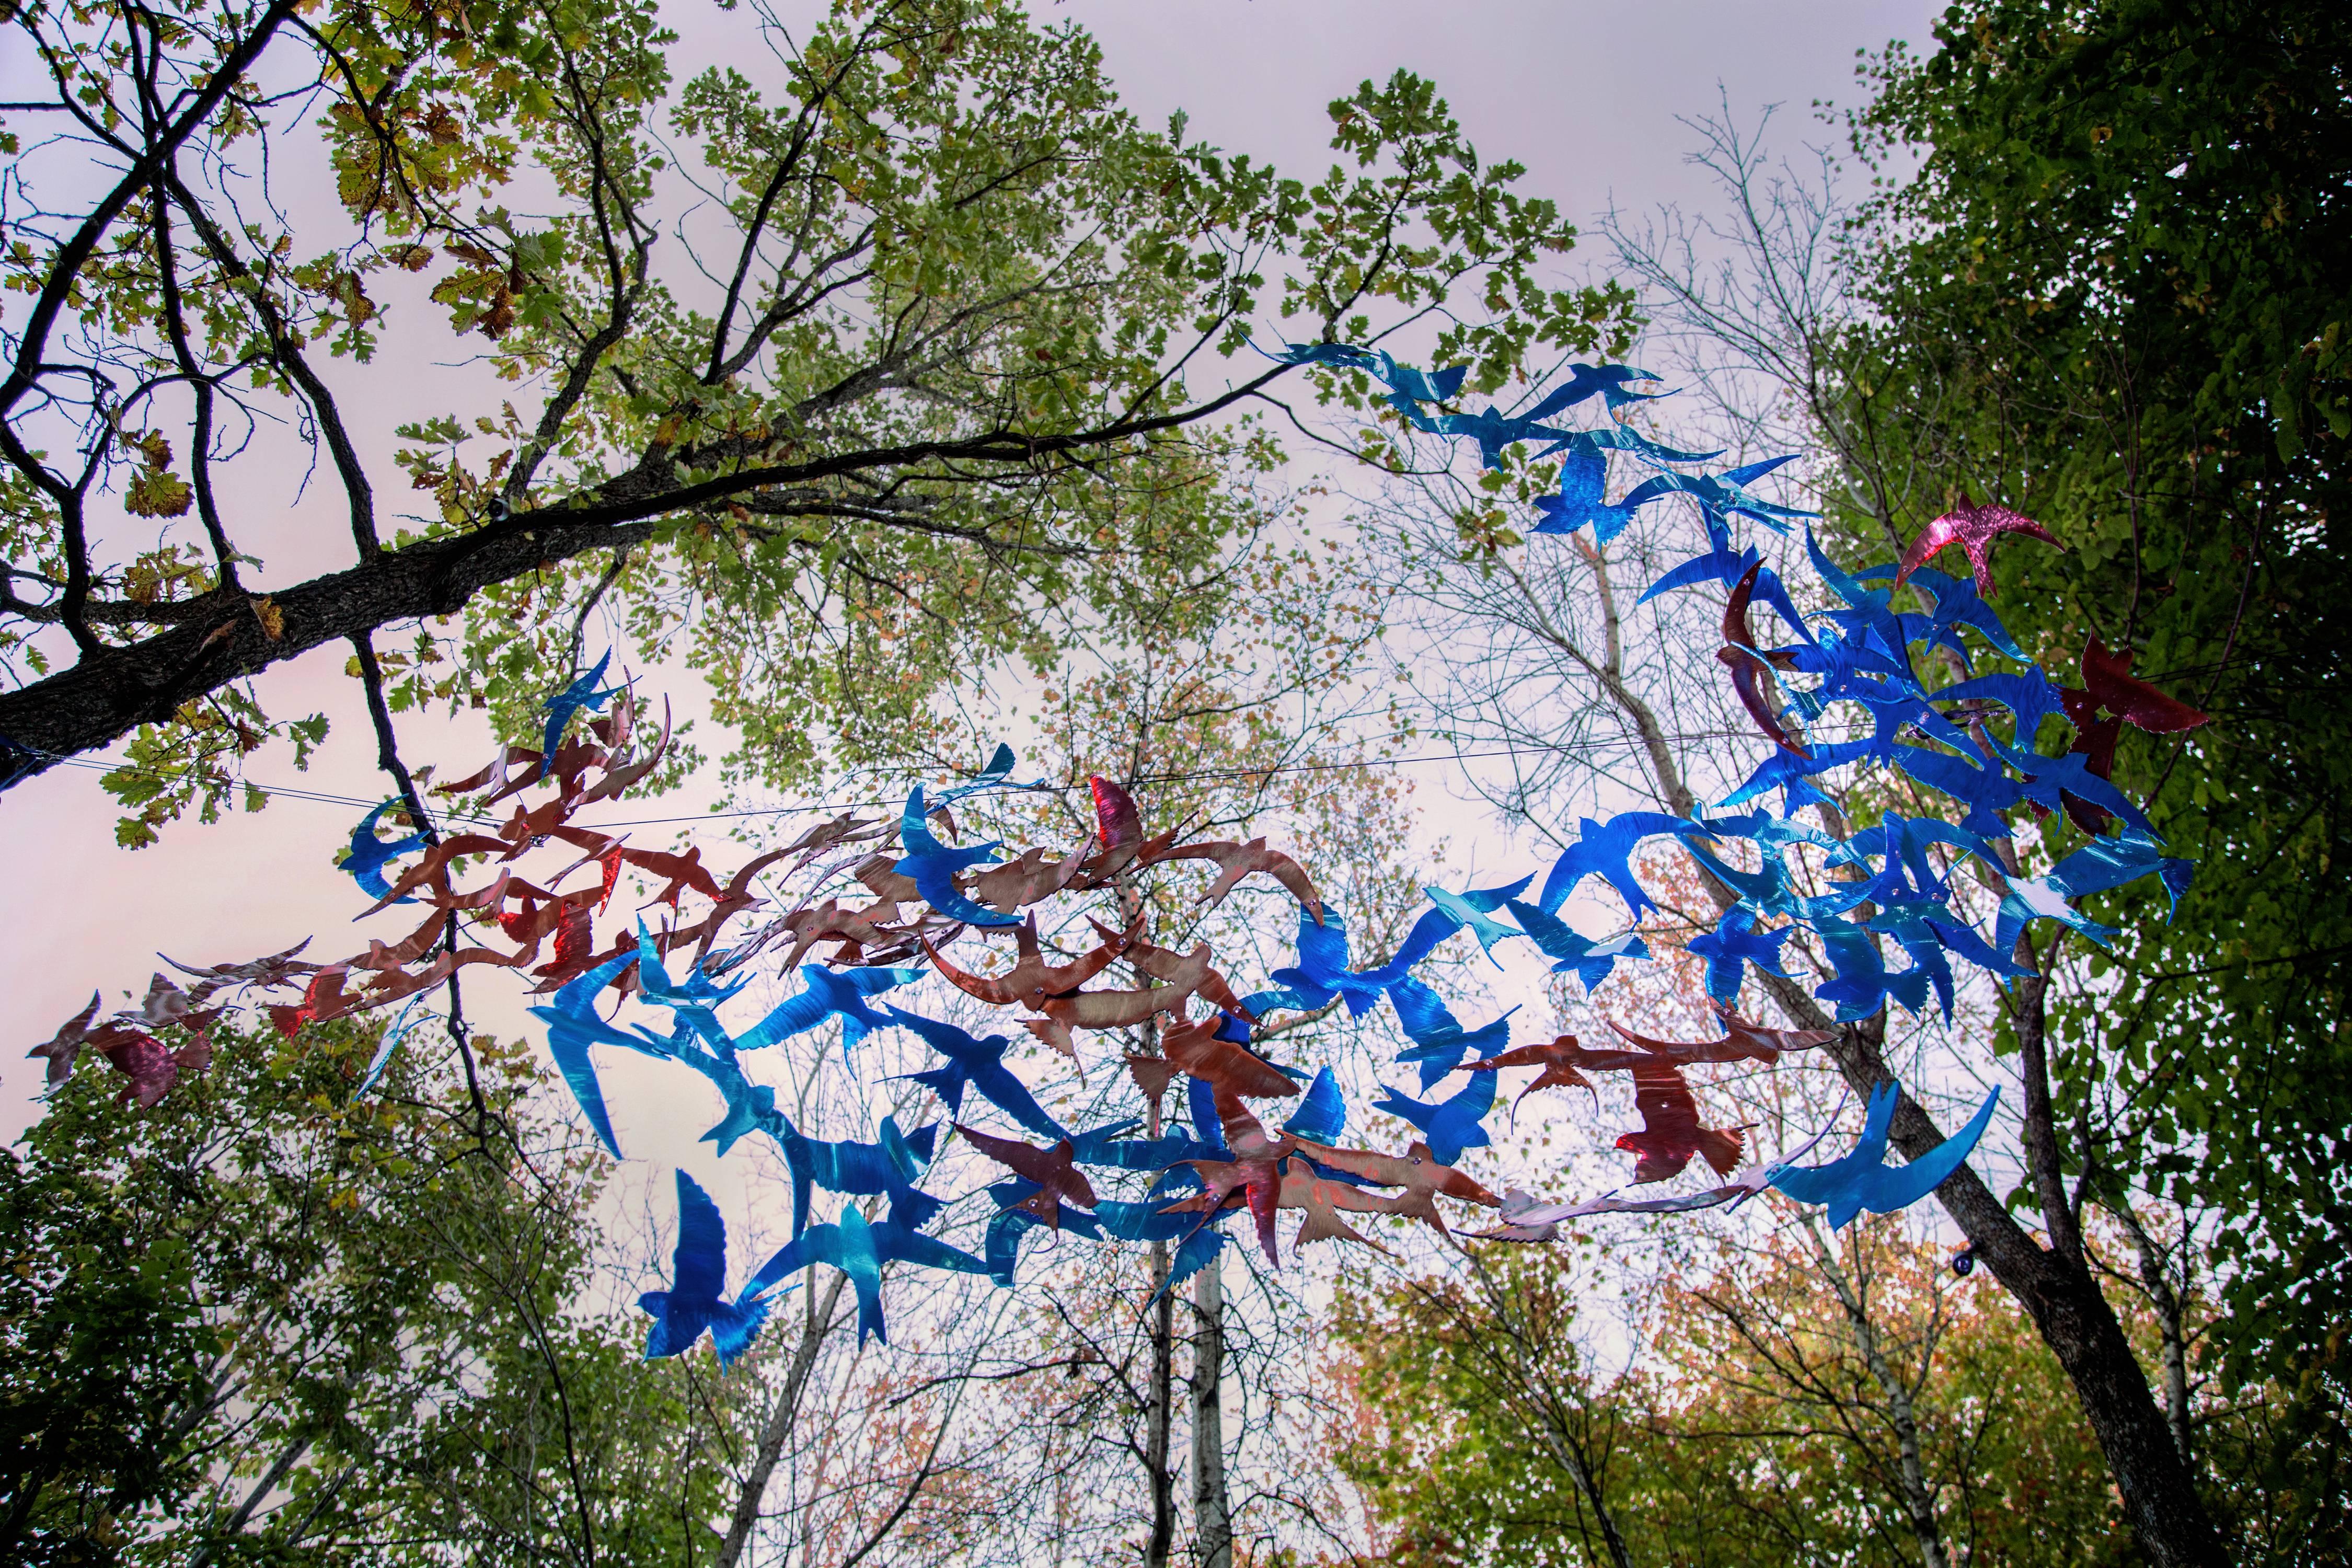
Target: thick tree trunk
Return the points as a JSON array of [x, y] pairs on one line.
[[1212, 1519], [224, 636], [2073, 1317]]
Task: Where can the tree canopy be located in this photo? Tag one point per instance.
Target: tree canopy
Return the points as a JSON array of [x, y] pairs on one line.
[[270, 1317], [860, 391], [864, 363], [2112, 296]]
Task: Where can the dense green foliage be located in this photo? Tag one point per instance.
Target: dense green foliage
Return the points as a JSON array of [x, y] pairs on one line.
[[263, 1323], [2114, 297]]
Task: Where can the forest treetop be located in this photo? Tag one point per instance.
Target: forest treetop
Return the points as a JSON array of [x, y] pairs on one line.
[[881, 359]]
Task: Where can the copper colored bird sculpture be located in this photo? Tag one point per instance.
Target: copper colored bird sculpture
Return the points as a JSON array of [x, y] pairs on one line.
[[1741, 1042], [1059, 1180], [1322, 1202], [62, 1047], [1175, 968], [1031, 980], [1417, 1172], [1563, 1061], [1670, 1131], [1234, 1071], [1236, 861]]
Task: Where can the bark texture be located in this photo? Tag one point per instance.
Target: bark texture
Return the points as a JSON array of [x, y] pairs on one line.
[[1212, 1519]]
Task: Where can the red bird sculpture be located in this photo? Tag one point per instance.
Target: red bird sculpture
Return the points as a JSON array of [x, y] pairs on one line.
[[1750, 664], [1052, 1169], [1973, 527], [1670, 1131], [1118, 828], [2108, 684]]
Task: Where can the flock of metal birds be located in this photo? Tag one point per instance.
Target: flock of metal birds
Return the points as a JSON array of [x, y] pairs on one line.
[[1218, 1157]]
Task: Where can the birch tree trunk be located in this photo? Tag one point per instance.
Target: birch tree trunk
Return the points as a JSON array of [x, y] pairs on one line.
[[1918, 1497], [1159, 1435], [1212, 1519]]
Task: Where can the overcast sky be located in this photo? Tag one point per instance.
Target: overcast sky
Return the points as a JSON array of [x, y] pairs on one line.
[[1586, 95]]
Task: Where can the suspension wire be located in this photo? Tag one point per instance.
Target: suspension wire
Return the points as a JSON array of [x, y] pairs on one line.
[[324, 797]]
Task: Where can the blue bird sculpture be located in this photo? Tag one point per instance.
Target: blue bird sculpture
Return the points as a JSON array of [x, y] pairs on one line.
[[980, 1065], [1583, 489], [696, 1300], [1451, 1125], [1439, 1041], [826, 993], [1862, 984], [1556, 938], [1604, 849], [1610, 380], [2108, 863], [1731, 946], [1475, 910], [369, 855], [581, 693], [1322, 1115], [1863, 1180], [860, 1249], [573, 1025]]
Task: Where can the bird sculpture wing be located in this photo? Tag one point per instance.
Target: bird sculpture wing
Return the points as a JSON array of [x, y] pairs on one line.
[[818, 1244], [698, 1261], [895, 1243], [1322, 1116], [1824, 1184], [1883, 1189]]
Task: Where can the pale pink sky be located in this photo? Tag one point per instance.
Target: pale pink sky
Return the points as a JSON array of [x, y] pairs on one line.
[[1585, 95]]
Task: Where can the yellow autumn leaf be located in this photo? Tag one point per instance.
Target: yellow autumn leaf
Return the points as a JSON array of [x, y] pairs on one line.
[[158, 492]]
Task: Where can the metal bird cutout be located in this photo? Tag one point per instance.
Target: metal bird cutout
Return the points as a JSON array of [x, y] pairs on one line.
[[696, 1300], [1973, 527], [1844, 697]]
